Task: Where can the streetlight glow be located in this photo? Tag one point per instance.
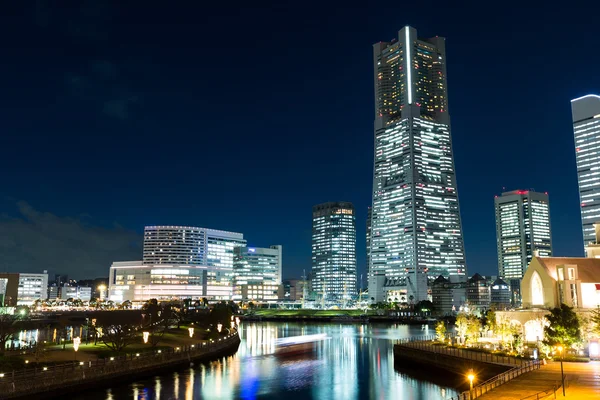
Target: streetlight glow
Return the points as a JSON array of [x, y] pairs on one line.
[[146, 335], [471, 377], [219, 327], [191, 331], [76, 343]]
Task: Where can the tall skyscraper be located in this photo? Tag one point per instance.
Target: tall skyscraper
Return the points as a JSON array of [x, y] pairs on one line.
[[334, 251], [416, 226], [369, 216], [586, 127], [522, 231]]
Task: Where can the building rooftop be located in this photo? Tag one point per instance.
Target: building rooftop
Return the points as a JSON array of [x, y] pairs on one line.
[[588, 269]]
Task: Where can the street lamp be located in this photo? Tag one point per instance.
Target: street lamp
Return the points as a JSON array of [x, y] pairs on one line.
[[76, 343], [191, 331], [562, 374], [471, 377], [146, 335], [219, 327]]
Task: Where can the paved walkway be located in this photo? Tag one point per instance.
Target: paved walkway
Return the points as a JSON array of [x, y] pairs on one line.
[[583, 382]]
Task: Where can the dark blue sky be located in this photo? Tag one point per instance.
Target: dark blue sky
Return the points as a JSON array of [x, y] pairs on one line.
[[242, 117]]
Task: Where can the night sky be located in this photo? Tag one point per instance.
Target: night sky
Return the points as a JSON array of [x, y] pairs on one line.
[[243, 116]]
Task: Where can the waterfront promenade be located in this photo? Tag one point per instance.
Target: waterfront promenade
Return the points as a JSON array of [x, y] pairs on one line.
[[582, 382], [62, 377]]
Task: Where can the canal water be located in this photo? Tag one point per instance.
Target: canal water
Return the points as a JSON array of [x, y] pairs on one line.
[[354, 362]]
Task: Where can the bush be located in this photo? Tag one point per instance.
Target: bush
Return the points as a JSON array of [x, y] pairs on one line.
[[573, 359]]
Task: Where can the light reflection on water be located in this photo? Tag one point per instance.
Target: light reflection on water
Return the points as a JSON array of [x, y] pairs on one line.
[[355, 362]]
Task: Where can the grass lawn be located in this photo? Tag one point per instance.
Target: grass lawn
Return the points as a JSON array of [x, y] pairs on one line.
[[308, 313]]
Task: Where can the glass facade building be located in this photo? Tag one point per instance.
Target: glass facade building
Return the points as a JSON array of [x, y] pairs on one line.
[[415, 222], [522, 231], [586, 128], [334, 251], [184, 245], [257, 273]]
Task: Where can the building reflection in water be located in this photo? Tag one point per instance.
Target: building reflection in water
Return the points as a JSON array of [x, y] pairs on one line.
[[355, 362]]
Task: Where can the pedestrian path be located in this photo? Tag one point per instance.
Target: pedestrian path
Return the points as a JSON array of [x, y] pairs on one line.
[[583, 382]]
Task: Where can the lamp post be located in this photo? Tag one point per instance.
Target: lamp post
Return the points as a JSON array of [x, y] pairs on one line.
[[191, 331], [146, 335], [76, 342], [471, 377], [562, 374], [219, 327]]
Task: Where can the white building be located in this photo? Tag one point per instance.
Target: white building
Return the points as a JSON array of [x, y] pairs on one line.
[[415, 221], [586, 127], [185, 245], [32, 287], [75, 292], [522, 231], [257, 273]]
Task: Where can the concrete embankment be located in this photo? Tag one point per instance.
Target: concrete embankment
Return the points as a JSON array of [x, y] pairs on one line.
[[57, 381], [406, 356]]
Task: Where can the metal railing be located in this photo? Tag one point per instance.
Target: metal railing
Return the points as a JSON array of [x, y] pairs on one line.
[[426, 343], [548, 393], [498, 380], [18, 383]]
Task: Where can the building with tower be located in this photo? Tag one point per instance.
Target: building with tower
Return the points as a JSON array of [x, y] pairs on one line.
[[415, 222]]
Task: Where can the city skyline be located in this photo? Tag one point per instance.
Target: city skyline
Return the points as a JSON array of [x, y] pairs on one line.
[[74, 182]]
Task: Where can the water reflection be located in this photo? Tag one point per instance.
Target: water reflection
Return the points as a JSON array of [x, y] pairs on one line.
[[356, 362]]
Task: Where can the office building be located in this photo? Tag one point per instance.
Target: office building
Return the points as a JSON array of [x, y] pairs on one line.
[[500, 295], [522, 231], [586, 127], [76, 293], [32, 287], [257, 273], [416, 225], [184, 245], [334, 251], [479, 294], [369, 215], [139, 282], [448, 297], [295, 289]]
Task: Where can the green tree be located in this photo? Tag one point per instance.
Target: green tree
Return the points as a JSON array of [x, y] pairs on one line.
[[8, 327], [462, 325], [490, 321], [117, 337], [563, 327], [473, 329], [440, 331], [424, 306], [595, 322]]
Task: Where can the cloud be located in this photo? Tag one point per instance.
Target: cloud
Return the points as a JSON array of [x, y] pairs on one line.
[[35, 241], [119, 108]]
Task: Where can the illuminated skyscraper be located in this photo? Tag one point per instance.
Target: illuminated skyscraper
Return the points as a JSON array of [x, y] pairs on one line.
[[586, 127], [522, 231], [334, 251], [416, 226]]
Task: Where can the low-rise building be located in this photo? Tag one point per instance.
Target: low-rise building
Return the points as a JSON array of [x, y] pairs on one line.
[[500, 295], [478, 293], [257, 273], [138, 282], [76, 293], [295, 289], [448, 296], [32, 287]]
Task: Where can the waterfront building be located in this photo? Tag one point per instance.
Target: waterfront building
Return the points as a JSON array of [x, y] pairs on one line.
[[415, 222], [31, 287], [522, 231], [500, 295], [478, 294], [369, 235], [139, 282], [185, 245], [334, 251], [257, 273], [586, 128], [448, 297], [295, 289]]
